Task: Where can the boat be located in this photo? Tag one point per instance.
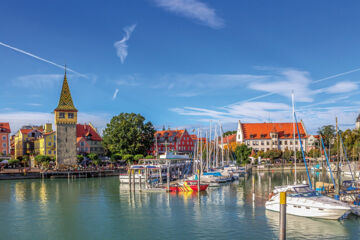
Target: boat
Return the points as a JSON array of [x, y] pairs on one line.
[[303, 201], [188, 186]]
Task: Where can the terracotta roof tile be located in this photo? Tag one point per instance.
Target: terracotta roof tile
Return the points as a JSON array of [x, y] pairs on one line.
[[5, 127], [83, 130], [263, 130]]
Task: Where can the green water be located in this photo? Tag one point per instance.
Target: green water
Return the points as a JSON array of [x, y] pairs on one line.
[[99, 208]]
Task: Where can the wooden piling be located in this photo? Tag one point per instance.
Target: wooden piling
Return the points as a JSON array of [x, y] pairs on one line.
[[133, 173], [168, 178], [146, 178], [282, 233], [198, 183], [160, 176], [129, 173]]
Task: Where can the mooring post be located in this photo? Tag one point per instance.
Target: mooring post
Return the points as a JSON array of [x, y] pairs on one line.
[[133, 173], [140, 181], [146, 178], [160, 175], [253, 186], [198, 183], [129, 173], [168, 178], [282, 234]]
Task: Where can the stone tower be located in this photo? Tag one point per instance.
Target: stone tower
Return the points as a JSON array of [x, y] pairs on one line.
[[65, 122], [357, 124]]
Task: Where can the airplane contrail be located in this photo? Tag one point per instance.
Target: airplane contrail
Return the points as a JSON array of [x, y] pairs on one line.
[[42, 59]]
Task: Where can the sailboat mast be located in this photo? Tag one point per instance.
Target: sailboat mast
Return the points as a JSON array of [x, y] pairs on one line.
[[293, 117], [222, 145]]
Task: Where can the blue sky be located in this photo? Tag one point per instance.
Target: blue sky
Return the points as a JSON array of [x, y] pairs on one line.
[[181, 63]]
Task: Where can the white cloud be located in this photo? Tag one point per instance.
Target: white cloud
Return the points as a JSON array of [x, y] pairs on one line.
[[115, 94], [342, 87], [189, 85], [128, 80], [121, 46], [38, 80], [275, 112], [34, 104], [285, 82], [193, 9], [19, 119]]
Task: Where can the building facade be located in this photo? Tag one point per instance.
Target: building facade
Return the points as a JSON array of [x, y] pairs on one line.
[[269, 136], [88, 140], [65, 122], [4, 139], [172, 140], [45, 144]]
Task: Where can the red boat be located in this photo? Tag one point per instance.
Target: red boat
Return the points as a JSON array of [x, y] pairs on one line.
[[188, 186]]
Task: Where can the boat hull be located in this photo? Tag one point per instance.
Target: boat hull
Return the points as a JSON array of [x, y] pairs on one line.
[[312, 212]]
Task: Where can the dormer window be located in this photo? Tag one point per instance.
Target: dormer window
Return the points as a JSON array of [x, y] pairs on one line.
[[61, 115], [252, 135], [263, 135]]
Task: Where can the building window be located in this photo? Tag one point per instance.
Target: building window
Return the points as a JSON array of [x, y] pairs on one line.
[[4, 144], [70, 115], [4, 137], [82, 144], [49, 152], [49, 143], [285, 142], [267, 143], [262, 142], [61, 115]]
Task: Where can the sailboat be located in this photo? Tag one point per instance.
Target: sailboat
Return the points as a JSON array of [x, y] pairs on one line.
[[303, 201]]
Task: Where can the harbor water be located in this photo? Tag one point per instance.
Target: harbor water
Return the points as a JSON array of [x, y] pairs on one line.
[[101, 208]]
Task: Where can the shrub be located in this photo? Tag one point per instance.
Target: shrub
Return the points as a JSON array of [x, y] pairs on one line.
[[128, 158], [137, 157], [149, 157]]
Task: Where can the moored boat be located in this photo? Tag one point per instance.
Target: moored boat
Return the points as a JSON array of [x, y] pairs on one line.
[[187, 186], [305, 202]]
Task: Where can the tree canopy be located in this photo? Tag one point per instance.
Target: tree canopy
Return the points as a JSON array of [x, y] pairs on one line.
[[229, 133], [328, 133], [242, 153], [128, 133]]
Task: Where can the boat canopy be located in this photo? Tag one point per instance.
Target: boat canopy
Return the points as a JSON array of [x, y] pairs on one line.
[[216, 174]]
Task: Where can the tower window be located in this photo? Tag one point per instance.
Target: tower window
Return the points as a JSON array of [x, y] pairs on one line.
[[61, 115], [71, 115]]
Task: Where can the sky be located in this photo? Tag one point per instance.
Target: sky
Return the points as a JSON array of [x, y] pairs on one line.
[[182, 63]]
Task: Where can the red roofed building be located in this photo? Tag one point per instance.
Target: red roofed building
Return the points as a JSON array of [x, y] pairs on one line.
[[88, 140], [267, 136], [172, 140], [4, 139]]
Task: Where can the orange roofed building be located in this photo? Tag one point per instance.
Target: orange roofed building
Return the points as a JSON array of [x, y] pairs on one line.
[[172, 140], [267, 136], [88, 140]]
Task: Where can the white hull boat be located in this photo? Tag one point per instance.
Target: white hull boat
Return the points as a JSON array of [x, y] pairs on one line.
[[302, 201]]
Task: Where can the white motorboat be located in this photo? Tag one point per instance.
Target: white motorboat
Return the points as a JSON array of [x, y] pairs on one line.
[[305, 202]]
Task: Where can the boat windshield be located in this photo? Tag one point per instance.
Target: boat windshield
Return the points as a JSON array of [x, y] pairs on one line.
[[304, 192]]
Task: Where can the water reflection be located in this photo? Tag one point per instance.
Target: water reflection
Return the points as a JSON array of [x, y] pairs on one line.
[[307, 227], [104, 209]]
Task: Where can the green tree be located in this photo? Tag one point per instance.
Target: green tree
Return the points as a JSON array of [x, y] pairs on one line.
[[43, 160], [128, 158], [149, 157], [137, 157], [79, 158], [273, 154], [299, 155], [287, 154], [328, 134], [93, 157], [13, 162], [314, 153], [229, 133], [242, 153], [128, 133], [115, 157]]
